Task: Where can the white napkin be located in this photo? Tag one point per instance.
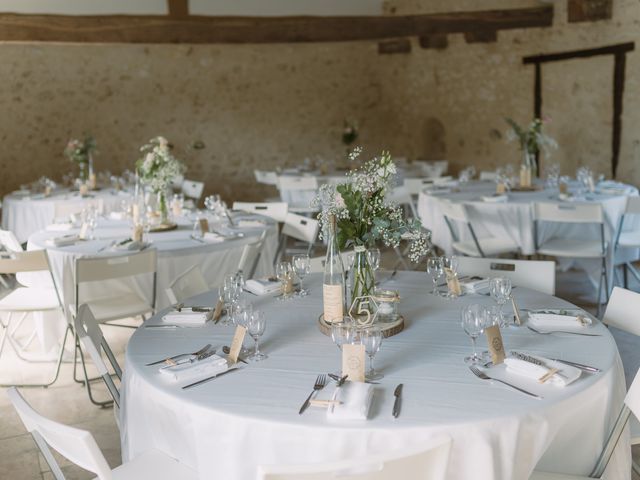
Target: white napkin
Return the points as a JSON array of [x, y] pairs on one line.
[[557, 321], [59, 227], [198, 369], [262, 286], [117, 216], [496, 198], [566, 374], [475, 284], [130, 246], [63, 241], [356, 398], [246, 223], [186, 316], [211, 237]]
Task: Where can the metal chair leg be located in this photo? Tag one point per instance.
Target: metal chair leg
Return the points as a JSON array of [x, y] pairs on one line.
[[625, 274], [88, 385]]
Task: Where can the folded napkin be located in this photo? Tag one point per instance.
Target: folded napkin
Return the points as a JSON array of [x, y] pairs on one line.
[[611, 190], [559, 320], [566, 374], [63, 241], [186, 316], [210, 366], [59, 227], [129, 246], [246, 223], [117, 215], [437, 189], [475, 284], [355, 400], [211, 237], [495, 198], [21, 192], [262, 286]]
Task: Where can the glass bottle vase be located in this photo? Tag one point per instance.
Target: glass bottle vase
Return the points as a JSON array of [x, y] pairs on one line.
[[362, 285], [163, 207]]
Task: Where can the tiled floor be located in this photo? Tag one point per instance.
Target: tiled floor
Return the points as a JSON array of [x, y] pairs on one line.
[[67, 402]]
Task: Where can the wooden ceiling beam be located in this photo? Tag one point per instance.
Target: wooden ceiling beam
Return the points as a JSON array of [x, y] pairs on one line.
[[179, 28]]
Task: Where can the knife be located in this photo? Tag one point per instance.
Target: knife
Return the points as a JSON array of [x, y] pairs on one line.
[[396, 404], [204, 380], [586, 368]]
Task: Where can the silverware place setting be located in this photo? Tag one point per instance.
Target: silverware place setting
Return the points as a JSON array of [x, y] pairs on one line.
[[549, 332], [196, 354], [212, 377], [483, 376], [321, 381]]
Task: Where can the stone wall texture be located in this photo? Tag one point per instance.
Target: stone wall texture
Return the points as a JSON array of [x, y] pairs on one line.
[[262, 106]]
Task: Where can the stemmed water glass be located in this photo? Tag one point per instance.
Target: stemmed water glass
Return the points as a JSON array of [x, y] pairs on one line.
[[231, 294], [373, 255], [473, 323], [450, 267], [283, 273], [256, 324], [342, 333], [371, 338], [302, 266], [500, 290], [435, 269]]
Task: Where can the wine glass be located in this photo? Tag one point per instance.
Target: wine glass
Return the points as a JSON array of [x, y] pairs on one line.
[[371, 338], [500, 290], [257, 322], [283, 273], [473, 324], [302, 267], [450, 268], [434, 268], [230, 294], [373, 255]]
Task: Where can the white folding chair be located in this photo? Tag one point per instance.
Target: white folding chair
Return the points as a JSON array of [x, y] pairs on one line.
[[298, 192], [192, 189], [188, 284], [266, 177], [416, 185], [427, 461], [533, 274], [80, 448], [275, 210], [300, 228], [27, 300], [317, 263], [584, 247], [9, 243], [489, 176], [455, 215], [629, 239], [250, 257], [93, 342], [434, 168], [402, 197], [630, 408]]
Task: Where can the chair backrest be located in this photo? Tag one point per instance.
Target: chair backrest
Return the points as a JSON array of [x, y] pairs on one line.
[[568, 212], [93, 342], [76, 445], [187, 284], [622, 310], [415, 185], [533, 274], [488, 175], [454, 211], [94, 269], [297, 182], [401, 196], [300, 228], [633, 205], [251, 255], [21, 261], [276, 210], [192, 189], [427, 461], [64, 209], [266, 177], [9, 241]]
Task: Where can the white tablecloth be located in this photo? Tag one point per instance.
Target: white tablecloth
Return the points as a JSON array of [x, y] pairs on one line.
[[514, 219], [25, 214], [225, 428]]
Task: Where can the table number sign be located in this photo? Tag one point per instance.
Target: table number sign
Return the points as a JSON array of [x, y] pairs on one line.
[[563, 188], [516, 311], [496, 347], [136, 236], [500, 188], [236, 343], [84, 190], [84, 230], [204, 225], [217, 312], [353, 362], [453, 284]]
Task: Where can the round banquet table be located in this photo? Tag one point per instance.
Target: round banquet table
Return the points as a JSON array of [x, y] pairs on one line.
[[514, 218], [25, 213], [227, 427]]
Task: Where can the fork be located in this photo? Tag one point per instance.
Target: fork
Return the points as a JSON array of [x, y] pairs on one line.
[[480, 374], [198, 353], [563, 331], [321, 381]]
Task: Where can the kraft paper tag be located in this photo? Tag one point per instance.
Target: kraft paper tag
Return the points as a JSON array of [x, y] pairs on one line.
[[332, 301], [204, 225], [84, 230], [516, 311], [562, 188], [236, 344], [494, 340], [92, 181], [135, 212], [353, 362], [288, 285], [592, 186], [47, 191], [500, 188], [137, 233], [218, 310], [84, 189], [453, 284]]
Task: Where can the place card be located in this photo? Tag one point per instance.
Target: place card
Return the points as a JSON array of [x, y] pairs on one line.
[[453, 284], [353, 362], [500, 188], [217, 312], [92, 181], [563, 188], [236, 344], [496, 347], [84, 190], [204, 225], [516, 311], [84, 230], [288, 285], [137, 234], [135, 213]]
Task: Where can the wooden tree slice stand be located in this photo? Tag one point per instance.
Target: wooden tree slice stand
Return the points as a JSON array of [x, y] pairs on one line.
[[163, 227], [388, 329], [519, 188]]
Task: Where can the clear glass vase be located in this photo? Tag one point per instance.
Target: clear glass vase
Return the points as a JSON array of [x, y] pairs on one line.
[[163, 207], [362, 279], [83, 173]]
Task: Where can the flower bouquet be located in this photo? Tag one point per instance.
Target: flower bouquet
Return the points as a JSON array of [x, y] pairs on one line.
[[80, 152], [157, 170], [532, 140], [365, 217]]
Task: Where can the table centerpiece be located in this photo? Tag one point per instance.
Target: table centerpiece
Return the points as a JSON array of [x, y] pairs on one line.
[[532, 140], [81, 153], [157, 169], [364, 217]]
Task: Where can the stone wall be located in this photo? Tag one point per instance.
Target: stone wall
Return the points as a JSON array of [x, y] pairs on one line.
[[261, 106]]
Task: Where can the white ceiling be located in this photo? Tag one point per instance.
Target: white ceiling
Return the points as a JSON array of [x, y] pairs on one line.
[[196, 7]]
